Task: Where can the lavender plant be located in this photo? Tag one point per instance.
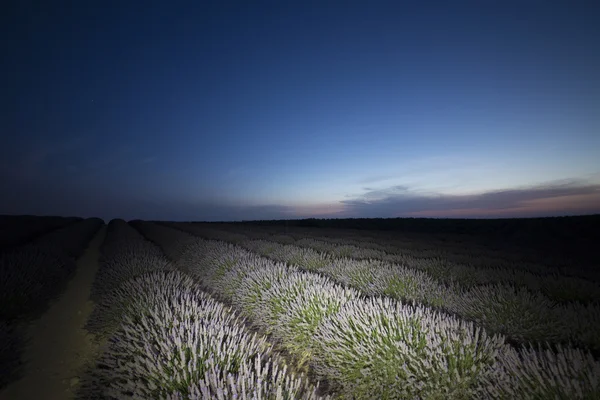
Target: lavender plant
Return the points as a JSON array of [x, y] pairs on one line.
[[515, 312], [404, 352], [175, 341], [556, 286], [125, 255], [290, 304], [71, 240], [29, 278], [177, 241], [535, 373]]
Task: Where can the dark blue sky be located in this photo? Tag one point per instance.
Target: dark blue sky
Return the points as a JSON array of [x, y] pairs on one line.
[[226, 110]]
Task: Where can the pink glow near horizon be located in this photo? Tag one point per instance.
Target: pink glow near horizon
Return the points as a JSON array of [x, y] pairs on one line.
[[575, 204]]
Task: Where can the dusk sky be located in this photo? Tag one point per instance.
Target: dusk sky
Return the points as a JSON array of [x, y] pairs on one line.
[[273, 110]]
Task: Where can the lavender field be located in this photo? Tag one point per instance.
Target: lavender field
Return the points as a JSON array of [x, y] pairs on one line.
[[300, 200], [249, 311]]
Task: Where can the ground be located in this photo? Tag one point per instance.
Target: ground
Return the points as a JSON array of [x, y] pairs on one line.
[[59, 346]]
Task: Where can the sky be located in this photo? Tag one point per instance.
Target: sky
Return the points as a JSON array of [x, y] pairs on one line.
[[235, 110]]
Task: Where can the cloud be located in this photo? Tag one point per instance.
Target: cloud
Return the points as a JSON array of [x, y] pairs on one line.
[[375, 178], [555, 198], [570, 197]]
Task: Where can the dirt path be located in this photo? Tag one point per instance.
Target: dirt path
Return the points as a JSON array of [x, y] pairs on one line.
[[60, 346]]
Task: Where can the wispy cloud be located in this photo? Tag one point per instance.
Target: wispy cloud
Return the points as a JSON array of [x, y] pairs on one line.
[[374, 179], [554, 198]]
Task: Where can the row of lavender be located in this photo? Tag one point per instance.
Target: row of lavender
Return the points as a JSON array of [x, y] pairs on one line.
[[418, 245], [167, 339], [16, 230], [466, 257], [557, 287], [377, 347], [459, 250], [32, 275], [520, 314], [455, 250]]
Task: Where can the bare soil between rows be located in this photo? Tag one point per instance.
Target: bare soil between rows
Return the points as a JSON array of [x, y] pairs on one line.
[[59, 348]]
